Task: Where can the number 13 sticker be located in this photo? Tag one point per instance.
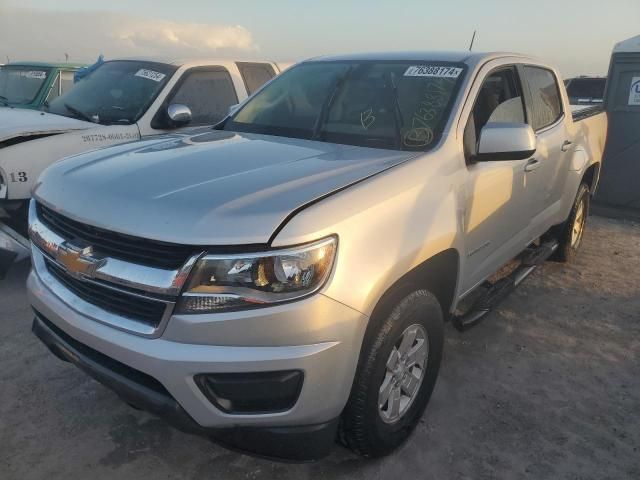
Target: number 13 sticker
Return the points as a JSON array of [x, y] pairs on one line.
[[19, 177]]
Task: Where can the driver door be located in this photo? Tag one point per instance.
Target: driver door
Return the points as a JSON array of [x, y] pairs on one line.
[[497, 211]]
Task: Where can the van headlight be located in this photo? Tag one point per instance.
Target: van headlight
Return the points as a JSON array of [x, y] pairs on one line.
[[236, 281]]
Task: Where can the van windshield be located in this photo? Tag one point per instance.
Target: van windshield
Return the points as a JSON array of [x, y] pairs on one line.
[[19, 85], [400, 105], [117, 92]]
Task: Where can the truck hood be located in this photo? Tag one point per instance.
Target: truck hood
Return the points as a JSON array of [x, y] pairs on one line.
[[216, 188], [18, 122]]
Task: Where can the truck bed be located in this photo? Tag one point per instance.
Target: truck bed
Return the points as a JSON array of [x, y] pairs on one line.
[[590, 131]]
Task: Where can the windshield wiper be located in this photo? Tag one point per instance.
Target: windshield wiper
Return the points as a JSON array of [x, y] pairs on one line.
[[4, 100], [326, 105], [397, 111], [78, 113]]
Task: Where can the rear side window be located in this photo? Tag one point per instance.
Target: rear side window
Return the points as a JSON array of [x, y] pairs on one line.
[[208, 93], [255, 75], [546, 106]]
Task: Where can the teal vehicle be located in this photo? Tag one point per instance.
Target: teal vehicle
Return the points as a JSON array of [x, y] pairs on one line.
[[33, 84]]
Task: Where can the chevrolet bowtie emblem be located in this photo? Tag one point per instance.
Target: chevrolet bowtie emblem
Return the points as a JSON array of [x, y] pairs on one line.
[[78, 262]]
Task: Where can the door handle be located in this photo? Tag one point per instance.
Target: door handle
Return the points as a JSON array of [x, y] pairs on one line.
[[532, 164], [565, 146]]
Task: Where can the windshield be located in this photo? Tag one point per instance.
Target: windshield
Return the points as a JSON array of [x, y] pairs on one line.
[[116, 92], [20, 85], [395, 104], [586, 88]]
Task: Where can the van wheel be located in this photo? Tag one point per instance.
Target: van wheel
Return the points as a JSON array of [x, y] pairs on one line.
[[572, 231], [397, 371]]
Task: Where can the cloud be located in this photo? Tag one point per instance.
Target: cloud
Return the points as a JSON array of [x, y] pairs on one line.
[[161, 34], [48, 35]]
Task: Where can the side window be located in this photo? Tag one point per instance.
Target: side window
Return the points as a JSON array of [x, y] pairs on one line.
[[255, 75], [66, 81], [546, 106], [54, 92], [208, 93], [499, 100]]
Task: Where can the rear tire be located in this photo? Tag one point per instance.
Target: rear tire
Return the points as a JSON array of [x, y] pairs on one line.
[[572, 230], [401, 354]]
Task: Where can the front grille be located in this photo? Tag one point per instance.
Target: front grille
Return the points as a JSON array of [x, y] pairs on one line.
[[147, 311], [117, 245]]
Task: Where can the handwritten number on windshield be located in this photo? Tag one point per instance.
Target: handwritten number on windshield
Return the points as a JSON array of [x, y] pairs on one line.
[[430, 107]]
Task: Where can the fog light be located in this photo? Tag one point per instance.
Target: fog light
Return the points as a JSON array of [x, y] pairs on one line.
[[255, 392]]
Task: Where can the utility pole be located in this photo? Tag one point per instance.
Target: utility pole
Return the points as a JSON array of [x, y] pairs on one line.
[[472, 39]]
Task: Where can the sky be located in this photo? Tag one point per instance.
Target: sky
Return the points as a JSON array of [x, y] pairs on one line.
[[575, 35]]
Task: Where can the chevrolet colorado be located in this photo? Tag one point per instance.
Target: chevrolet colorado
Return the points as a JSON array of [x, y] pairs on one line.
[[283, 278]]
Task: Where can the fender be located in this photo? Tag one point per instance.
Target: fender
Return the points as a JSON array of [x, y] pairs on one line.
[[387, 225]]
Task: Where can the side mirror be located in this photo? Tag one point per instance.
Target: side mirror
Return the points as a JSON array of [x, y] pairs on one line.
[[506, 141], [233, 108], [179, 115]]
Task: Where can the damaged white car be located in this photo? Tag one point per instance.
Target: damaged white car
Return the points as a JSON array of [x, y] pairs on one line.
[[120, 101]]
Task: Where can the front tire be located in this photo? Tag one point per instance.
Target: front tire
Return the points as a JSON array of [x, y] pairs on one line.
[[397, 372]]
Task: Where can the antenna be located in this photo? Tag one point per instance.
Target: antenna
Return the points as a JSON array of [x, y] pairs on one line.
[[472, 39]]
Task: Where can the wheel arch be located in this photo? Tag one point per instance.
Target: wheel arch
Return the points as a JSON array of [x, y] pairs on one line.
[[591, 176], [438, 274]]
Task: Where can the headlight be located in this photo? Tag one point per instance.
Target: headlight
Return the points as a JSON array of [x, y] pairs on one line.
[[232, 282]]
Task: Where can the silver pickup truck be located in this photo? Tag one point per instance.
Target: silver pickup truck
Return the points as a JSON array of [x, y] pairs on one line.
[[284, 278]]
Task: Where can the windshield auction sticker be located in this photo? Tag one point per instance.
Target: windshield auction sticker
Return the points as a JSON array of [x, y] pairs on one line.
[[39, 74], [150, 74], [433, 71]]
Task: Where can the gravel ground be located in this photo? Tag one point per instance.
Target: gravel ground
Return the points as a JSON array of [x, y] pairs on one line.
[[548, 386]]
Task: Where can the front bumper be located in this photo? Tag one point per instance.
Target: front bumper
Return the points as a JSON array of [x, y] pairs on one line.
[[305, 443], [317, 336]]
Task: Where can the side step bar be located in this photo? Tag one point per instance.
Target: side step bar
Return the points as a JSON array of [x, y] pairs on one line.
[[13, 248], [495, 292]]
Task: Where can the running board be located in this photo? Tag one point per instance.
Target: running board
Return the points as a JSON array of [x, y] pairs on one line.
[[13, 248], [495, 292]]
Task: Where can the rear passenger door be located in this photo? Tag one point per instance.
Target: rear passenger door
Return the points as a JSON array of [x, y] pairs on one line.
[[255, 74], [553, 150]]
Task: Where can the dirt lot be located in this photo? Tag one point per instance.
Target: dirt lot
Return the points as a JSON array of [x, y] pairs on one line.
[[546, 387]]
